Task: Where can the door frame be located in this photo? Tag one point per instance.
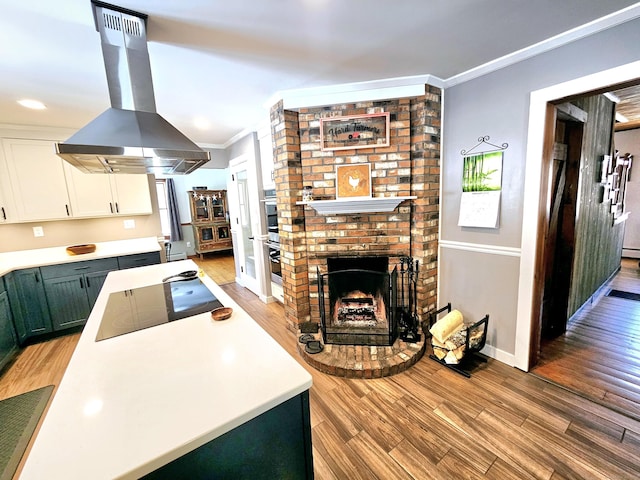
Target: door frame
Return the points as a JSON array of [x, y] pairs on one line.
[[243, 162], [534, 204]]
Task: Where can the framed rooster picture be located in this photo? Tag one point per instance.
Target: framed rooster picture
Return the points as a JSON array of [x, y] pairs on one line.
[[353, 180]]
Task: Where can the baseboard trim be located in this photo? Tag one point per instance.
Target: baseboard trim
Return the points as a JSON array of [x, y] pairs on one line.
[[500, 355]]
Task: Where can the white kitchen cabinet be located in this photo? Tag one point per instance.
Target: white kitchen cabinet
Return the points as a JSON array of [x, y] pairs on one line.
[[97, 195], [36, 174], [8, 211], [89, 194], [131, 194]]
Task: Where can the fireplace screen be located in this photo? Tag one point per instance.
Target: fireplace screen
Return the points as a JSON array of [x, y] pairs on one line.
[[358, 305]]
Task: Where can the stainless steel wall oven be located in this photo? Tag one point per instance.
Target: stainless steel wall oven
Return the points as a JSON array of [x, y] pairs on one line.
[[273, 240]]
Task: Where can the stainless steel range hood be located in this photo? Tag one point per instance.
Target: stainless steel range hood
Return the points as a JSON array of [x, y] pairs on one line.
[[130, 137]]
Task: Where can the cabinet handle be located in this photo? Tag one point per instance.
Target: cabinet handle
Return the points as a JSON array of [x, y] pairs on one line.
[[82, 268], [81, 285], [37, 278], [87, 279], [67, 207], [117, 208], [4, 215], [111, 207]]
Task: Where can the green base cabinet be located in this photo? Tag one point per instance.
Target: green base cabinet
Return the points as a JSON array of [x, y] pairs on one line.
[[138, 260], [8, 340], [274, 445], [28, 303], [56, 297], [72, 289]]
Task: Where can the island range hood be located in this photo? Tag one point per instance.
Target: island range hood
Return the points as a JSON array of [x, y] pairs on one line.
[[129, 137]]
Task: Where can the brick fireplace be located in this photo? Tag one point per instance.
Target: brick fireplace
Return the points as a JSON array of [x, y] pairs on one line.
[[357, 301], [410, 166]]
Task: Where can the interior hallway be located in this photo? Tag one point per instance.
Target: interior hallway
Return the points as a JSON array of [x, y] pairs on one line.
[[599, 355]]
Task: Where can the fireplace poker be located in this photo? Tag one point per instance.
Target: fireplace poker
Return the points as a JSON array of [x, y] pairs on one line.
[[411, 334], [403, 312]]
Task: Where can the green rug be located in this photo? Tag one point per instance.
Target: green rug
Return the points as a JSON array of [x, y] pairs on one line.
[[19, 417]]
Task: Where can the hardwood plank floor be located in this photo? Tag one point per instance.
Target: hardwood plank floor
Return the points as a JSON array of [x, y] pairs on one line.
[[427, 422], [599, 355], [430, 423], [219, 266]]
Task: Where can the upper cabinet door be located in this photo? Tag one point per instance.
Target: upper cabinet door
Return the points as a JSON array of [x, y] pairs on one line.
[[99, 195], [8, 212], [89, 194], [37, 180], [131, 194]]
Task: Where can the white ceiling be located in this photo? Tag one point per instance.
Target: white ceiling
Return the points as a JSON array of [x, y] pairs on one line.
[[222, 61]]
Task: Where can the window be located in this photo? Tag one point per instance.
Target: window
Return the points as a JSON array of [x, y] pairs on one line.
[[163, 207]]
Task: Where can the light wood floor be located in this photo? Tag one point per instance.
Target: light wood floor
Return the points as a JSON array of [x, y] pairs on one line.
[[429, 422], [599, 355]]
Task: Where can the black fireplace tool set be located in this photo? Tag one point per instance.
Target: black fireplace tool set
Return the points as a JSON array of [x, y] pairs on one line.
[[408, 308]]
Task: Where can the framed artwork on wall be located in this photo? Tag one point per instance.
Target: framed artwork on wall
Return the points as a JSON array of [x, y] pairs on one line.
[[355, 131], [353, 181]]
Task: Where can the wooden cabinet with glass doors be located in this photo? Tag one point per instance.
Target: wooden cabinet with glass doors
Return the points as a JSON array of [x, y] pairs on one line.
[[210, 220]]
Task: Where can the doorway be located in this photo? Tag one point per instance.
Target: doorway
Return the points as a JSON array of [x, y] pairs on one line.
[[245, 225], [535, 208], [559, 249]]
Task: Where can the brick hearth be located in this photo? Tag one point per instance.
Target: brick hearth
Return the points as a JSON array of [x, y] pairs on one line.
[[357, 361]]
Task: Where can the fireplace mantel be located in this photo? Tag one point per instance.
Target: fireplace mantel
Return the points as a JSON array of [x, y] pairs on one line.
[[356, 205]]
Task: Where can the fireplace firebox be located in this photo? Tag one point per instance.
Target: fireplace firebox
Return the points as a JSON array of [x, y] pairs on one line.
[[358, 301]]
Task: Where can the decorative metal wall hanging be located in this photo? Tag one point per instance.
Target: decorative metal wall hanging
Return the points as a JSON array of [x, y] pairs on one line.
[[484, 141]]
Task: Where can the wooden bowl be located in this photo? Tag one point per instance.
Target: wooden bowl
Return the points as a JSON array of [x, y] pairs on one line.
[[81, 249], [221, 313]]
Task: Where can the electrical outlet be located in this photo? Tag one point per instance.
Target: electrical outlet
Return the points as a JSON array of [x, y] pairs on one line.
[[130, 223], [38, 232], [188, 244]]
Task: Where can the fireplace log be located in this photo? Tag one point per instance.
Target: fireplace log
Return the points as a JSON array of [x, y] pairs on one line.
[[447, 325], [449, 338]]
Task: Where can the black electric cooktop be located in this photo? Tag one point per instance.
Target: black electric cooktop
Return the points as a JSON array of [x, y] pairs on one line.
[[145, 307]]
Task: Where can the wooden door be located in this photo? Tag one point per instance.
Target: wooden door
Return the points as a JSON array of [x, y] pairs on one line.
[[560, 241]]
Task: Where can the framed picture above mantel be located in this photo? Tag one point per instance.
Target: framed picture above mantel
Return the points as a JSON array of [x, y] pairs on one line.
[[355, 131], [353, 180]]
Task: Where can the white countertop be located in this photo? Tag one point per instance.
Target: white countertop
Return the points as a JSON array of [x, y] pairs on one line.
[[130, 404], [10, 261]]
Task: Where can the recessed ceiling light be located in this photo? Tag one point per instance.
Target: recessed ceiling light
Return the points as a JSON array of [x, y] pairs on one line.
[[202, 123], [33, 104]]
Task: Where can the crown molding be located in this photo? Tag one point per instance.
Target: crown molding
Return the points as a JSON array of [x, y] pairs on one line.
[[399, 87], [595, 26], [382, 89]]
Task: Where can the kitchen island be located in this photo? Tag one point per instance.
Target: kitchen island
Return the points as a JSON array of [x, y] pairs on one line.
[[191, 393]]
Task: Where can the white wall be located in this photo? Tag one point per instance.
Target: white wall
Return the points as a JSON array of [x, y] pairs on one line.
[[629, 142], [497, 104]]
